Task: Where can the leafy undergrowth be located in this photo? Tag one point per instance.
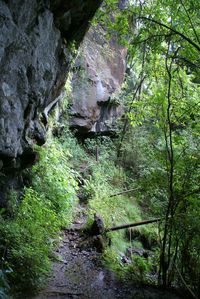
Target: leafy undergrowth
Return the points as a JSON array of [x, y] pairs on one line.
[[107, 179], [28, 236]]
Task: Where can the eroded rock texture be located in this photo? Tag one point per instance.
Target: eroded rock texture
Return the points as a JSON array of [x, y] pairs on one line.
[[35, 56], [98, 74]]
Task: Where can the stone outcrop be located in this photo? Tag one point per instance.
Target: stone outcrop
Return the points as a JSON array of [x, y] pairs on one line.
[[35, 53], [98, 73]]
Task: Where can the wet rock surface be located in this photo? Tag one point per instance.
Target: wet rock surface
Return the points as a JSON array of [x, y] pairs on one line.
[[34, 61], [97, 226], [79, 273], [98, 74], [35, 57]]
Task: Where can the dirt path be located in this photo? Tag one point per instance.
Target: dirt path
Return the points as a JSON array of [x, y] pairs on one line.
[[78, 272]]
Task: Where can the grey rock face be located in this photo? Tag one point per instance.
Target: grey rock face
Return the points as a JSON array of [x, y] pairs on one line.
[[99, 72], [35, 56], [29, 65], [34, 62]]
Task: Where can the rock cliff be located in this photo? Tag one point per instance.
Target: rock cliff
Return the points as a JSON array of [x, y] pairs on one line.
[[36, 39], [98, 73]]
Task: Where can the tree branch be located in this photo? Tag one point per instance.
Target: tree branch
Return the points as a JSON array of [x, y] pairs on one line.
[[193, 28], [152, 37], [190, 41]]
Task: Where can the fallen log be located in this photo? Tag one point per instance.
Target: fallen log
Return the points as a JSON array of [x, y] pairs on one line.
[[132, 224], [123, 192]]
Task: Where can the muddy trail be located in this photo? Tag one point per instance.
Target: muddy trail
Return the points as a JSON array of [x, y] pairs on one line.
[[78, 271]]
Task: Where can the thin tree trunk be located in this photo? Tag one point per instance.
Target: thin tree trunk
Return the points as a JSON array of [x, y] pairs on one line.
[[126, 119], [166, 245]]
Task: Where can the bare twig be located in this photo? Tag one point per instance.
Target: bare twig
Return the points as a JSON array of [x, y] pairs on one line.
[[123, 192]]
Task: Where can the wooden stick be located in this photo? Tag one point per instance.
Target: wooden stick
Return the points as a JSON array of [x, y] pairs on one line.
[[61, 293], [97, 153], [123, 192], [133, 224], [184, 282]]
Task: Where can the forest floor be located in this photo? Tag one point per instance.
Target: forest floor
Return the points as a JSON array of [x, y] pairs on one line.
[[78, 271]]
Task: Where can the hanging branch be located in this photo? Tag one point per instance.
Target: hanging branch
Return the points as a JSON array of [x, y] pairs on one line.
[[190, 20], [149, 38], [190, 41]]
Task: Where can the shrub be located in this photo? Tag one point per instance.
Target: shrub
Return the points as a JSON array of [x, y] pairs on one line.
[[54, 179], [28, 237]]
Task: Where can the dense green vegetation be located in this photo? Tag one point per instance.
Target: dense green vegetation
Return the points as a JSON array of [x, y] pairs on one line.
[[29, 234], [110, 178], [162, 96], [156, 152]]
